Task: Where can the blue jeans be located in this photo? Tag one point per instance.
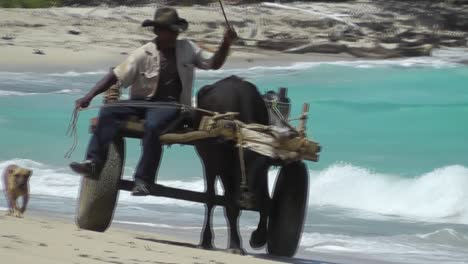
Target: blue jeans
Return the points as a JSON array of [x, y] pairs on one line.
[[110, 120]]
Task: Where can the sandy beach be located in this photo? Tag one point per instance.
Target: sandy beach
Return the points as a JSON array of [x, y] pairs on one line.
[[107, 35], [83, 38], [47, 240]]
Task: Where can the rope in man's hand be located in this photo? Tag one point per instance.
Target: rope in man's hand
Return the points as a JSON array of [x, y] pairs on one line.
[[72, 126], [72, 131]]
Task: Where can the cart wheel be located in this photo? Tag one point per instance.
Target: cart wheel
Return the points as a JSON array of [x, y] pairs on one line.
[[288, 209], [98, 198]]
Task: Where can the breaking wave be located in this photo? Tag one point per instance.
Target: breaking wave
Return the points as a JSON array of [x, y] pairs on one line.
[[438, 196]]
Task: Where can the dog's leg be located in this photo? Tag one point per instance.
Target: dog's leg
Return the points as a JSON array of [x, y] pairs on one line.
[[11, 207], [16, 209], [25, 202]]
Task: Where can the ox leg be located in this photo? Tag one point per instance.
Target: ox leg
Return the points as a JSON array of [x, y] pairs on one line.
[[207, 234], [232, 213], [259, 178]]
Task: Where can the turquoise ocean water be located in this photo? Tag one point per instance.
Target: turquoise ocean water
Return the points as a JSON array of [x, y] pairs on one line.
[[392, 177]]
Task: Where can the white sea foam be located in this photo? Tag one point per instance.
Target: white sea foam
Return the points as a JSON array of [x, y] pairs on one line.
[[440, 195], [13, 93], [436, 62], [196, 228], [444, 58], [61, 182], [67, 91], [446, 236], [145, 224], [4, 93], [76, 74], [441, 58], [398, 248]]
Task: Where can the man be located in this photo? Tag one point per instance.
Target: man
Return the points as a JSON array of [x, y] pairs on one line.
[[160, 71]]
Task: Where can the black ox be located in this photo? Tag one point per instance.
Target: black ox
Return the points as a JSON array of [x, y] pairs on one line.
[[221, 159]]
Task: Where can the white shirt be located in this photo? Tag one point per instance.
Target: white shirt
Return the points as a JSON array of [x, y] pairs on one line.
[[141, 69]]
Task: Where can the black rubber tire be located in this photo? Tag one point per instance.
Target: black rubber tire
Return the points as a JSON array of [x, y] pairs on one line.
[[288, 209], [98, 198]]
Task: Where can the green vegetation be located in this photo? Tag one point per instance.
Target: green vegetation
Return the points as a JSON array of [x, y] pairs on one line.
[[29, 3]]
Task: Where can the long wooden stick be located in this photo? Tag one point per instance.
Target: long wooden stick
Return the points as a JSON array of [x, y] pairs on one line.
[[224, 14]]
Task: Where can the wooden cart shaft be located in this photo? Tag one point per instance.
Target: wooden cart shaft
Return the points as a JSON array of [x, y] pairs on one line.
[[179, 194]]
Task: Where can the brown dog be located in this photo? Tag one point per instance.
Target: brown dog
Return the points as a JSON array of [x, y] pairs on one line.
[[16, 184]]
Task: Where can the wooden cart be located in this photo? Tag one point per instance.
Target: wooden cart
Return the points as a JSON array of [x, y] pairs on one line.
[[98, 197]]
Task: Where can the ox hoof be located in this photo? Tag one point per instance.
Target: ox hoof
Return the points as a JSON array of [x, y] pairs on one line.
[[258, 239], [206, 246], [236, 251]]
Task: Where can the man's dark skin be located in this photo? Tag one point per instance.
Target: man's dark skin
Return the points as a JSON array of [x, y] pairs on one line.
[[166, 39]]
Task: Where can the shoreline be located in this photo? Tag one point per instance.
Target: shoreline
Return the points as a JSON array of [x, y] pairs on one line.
[[47, 238], [64, 60], [163, 246], [163, 232]]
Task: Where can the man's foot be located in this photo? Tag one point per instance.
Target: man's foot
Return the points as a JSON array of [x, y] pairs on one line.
[[141, 188], [87, 168]]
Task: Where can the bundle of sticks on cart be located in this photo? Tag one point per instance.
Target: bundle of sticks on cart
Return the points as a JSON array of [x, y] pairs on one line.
[[285, 144]]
